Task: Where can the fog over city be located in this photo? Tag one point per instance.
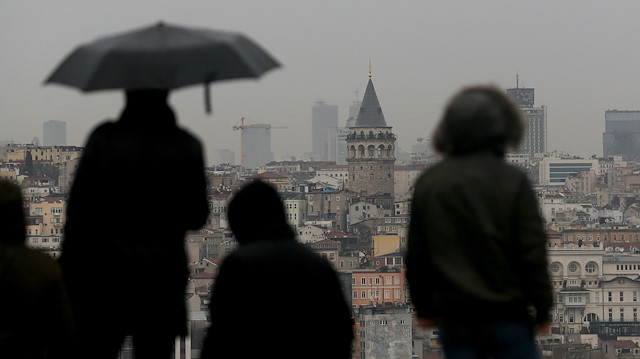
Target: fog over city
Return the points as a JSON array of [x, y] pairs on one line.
[[580, 56]]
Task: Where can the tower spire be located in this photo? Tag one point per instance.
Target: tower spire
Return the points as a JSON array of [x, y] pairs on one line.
[[369, 68]]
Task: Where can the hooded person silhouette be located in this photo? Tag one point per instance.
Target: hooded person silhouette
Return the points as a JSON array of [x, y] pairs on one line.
[[35, 315], [476, 242], [275, 289]]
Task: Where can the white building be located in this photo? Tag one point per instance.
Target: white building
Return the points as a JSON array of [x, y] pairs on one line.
[[295, 208], [554, 171], [595, 291], [310, 234]]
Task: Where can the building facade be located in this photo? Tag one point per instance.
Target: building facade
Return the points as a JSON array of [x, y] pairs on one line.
[[375, 287], [554, 171], [383, 333], [622, 134]]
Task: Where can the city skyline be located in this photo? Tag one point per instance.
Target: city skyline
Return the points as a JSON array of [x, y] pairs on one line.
[[580, 62]]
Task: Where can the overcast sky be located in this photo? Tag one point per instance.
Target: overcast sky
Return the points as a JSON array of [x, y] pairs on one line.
[[582, 57]]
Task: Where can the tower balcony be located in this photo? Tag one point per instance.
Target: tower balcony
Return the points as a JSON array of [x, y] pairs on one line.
[[371, 136]]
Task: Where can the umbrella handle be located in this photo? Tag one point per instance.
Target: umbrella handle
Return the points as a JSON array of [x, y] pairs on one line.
[[207, 98]]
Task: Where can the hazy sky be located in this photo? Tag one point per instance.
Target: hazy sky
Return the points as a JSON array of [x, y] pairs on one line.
[[582, 57]]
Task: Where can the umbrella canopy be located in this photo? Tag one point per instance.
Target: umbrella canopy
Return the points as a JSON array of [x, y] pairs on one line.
[[162, 57]]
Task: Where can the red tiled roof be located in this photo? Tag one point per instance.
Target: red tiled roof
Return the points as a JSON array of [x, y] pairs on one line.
[[202, 275], [267, 175], [624, 344], [338, 234], [219, 195], [325, 241], [216, 261]]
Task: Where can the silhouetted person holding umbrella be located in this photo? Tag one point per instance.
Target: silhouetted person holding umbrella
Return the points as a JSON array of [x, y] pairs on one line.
[[476, 260], [139, 187], [273, 297], [35, 316]]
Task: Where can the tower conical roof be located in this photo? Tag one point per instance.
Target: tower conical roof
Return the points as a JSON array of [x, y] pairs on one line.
[[370, 114]]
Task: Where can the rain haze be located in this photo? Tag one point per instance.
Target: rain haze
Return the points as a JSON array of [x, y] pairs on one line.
[[580, 56]]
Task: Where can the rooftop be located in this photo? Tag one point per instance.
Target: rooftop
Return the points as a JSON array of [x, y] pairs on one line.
[[370, 114]]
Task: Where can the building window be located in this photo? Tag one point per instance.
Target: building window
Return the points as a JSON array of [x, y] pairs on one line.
[[610, 314], [635, 296], [622, 314], [622, 296], [363, 294], [378, 281], [573, 267], [355, 295], [590, 267], [364, 281], [610, 296]]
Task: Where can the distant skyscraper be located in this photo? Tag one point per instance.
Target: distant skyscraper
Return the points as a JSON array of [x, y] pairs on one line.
[[54, 133], [535, 135], [622, 134], [323, 118], [257, 145], [341, 150], [354, 108]]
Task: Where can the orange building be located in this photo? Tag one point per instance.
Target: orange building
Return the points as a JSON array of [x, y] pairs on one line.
[[370, 287]]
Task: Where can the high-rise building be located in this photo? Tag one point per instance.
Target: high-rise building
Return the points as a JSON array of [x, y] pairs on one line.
[[535, 135], [323, 118], [341, 151], [54, 133], [257, 145], [371, 146], [622, 134]]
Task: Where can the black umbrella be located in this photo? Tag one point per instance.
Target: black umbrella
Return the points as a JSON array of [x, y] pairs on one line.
[[162, 57]]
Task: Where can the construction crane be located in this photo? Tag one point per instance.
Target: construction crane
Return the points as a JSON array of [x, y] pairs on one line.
[[243, 127]]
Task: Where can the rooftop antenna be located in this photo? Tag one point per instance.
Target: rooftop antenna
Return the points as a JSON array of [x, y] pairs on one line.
[[369, 68], [517, 81]]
